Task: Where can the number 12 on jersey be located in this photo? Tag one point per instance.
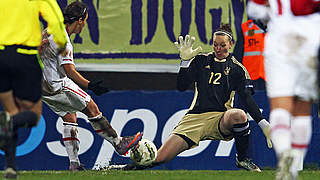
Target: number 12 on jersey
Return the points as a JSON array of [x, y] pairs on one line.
[[214, 78]]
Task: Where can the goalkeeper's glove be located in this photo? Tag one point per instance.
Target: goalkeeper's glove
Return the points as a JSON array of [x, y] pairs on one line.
[[265, 126], [186, 51], [97, 88]]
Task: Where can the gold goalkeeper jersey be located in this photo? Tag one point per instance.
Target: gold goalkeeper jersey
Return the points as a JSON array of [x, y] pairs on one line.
[[20, 24]]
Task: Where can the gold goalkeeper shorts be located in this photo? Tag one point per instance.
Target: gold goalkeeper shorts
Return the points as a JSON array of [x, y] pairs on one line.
[[199, 127]]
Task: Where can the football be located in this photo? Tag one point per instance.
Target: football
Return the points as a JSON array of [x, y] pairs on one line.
[[144, 153]]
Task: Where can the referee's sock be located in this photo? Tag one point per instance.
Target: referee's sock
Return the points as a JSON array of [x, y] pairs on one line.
[[10, 151], [23, 119], [241, 134], [26, 119]]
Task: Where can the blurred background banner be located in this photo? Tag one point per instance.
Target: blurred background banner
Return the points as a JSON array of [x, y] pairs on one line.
[[155, 113], [143, 31]]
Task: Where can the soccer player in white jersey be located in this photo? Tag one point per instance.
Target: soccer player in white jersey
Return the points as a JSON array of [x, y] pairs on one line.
[[62, 92], [290, 65]]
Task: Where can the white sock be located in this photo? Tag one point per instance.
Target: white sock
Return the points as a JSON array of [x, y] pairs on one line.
[[113, 140], [301, 131], [280, 130], [71, 141], [98, 123]]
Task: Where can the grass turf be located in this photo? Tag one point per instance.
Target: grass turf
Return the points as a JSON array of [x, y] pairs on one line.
[[158, 175]]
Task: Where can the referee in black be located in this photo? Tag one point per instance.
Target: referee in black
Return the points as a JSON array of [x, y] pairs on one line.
[[20, 68]]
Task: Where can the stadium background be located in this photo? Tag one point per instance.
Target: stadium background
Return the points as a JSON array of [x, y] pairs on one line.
[[129, 44]]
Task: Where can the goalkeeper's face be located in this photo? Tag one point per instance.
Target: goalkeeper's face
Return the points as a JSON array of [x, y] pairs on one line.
[[221, 46]]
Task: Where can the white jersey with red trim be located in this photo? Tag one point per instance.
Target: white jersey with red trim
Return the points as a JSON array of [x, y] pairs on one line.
[[70, 99], [53, 72], [283, 7], [294, 7], [60, 93], [291, 47]]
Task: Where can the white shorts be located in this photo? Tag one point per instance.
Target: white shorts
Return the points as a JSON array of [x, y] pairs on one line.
[[70, 100], [291, 49]]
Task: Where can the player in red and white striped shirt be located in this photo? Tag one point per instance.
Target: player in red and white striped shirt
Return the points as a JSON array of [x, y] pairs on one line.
[[291, 72]]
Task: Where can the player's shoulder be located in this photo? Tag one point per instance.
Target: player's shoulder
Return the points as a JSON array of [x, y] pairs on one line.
[[204, 56], [235, 62], [240, 66]]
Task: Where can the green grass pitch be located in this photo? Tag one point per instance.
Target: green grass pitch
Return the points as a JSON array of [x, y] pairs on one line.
[[158, 175]]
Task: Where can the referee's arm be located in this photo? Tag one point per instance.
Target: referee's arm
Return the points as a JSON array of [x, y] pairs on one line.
[[51, 12]]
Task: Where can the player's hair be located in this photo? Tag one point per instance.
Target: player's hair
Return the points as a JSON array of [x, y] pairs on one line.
[[74, 11], [224, 29]]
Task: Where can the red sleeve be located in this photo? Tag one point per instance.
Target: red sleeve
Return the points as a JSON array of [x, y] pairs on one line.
[[261, 2], [304, 7]]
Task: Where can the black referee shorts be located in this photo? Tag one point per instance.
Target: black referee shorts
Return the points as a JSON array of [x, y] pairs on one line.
[[20, 72]]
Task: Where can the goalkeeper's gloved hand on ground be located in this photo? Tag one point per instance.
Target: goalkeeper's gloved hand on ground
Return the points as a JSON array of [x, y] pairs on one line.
[[186, 51], [265, 126], [97, 87]]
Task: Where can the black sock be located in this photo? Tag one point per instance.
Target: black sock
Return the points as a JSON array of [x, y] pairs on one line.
[[241, 134], [10, 151], [26, 119]]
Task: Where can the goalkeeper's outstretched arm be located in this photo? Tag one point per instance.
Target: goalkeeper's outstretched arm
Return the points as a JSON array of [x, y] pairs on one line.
[[253, 109]]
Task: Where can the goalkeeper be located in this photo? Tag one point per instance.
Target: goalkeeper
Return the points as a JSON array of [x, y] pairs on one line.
[[61, 91], [216, 76]]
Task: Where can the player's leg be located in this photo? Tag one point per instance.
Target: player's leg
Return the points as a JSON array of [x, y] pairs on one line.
[[71, 141], [186, 135], [29, 115], [27, 88], [65, 104], [24, 84], [25, 119], [306, 92], [301, 124], [102, 127], [100, 123], [234, 121], [280, 119], [7, 103], [173, 146], [281, 76], [301, 131]]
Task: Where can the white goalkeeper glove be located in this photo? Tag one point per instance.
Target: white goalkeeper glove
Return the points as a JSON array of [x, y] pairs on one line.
[[186, 51], [265, 126]]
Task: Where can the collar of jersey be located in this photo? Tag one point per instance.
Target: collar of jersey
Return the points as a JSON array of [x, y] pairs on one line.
[[220, 60]]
